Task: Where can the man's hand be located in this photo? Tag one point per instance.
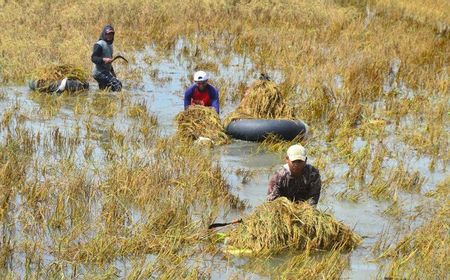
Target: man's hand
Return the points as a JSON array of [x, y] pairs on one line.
[[199, 102], [107, 60], [312, 202]]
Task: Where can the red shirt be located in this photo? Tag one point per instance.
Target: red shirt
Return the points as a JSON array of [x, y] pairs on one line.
[[201, 97]]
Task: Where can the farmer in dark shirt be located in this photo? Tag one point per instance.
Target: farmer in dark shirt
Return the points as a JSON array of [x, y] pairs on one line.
[[296, 180], [201, 92], [102, 54]]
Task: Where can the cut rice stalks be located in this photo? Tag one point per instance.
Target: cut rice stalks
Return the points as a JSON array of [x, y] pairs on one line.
[[263, 100], [55, 72], [281, 224], [200, 122], [46, 79]]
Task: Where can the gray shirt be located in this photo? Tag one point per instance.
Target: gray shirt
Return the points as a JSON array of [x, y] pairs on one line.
[[305, 187], [99, 65]]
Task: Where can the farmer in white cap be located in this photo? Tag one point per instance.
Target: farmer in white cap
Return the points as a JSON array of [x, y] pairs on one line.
[[296, 180], [201, 92]]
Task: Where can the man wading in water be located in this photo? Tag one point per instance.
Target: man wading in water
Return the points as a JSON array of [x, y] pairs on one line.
[[202, 93], [103, 71], [296, 180]]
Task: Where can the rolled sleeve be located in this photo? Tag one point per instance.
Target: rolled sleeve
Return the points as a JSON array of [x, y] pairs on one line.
[[316, 185], [273, 190]]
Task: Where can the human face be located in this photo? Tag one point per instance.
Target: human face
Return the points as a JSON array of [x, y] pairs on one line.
[[109, 36], [296, 167], [201, 85]]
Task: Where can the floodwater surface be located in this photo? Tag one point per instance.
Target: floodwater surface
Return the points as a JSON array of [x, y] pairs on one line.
[[247, 167]]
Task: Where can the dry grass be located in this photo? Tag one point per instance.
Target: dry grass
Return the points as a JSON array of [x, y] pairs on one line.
[[140, 199], [396, 179], [302, 266], [298, 265], [431, 13], [423, 254]]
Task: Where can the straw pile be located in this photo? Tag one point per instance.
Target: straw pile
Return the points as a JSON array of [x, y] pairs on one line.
[[263, 100], [281, 224], [200, 121], [47, 77]]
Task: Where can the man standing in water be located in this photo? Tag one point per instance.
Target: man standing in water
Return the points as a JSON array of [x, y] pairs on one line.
[[103, 71], [296, 180], [201, 92]]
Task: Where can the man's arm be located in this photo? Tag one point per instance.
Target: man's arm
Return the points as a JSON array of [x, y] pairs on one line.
[[315, 187], [215, 99], [188, 97], [96, 56], [273, 191]]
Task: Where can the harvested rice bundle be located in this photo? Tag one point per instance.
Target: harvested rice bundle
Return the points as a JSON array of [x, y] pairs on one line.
[[60, 71], [281, 224], [61, 77], [200, 121], [263, 100]]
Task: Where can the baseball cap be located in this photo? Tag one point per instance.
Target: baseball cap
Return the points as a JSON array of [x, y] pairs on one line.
[[200, 76], [296, 152]]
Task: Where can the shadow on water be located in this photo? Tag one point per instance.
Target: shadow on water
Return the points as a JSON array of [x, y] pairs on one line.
[[93, 115]]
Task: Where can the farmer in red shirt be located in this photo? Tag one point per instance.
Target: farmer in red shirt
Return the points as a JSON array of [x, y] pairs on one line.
[[201, 92]]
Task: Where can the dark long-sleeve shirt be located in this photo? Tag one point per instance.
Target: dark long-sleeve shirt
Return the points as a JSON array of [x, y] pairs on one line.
[[212, 92], [97, 57], [305, 187]]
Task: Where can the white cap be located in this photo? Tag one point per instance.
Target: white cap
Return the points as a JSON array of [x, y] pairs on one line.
[[200, 76], [296, 152]]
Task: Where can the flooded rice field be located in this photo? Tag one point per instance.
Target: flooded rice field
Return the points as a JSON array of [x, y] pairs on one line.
[[74, 162], [102, 185]]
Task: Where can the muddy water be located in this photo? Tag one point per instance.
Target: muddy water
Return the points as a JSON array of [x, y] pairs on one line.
[[165, 100]]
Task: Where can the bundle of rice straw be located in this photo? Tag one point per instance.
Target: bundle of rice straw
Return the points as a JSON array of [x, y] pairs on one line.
[[263, 100], [281, 224], [47, 77], [200, 121]]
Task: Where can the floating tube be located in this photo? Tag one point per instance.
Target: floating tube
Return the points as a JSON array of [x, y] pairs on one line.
[[58, 86], [259, 129]]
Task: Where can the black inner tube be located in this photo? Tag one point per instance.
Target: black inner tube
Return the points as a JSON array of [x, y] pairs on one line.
[[259, 129], [55, 86]]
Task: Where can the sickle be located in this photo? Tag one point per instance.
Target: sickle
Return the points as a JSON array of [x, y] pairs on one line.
[[119, 56]]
